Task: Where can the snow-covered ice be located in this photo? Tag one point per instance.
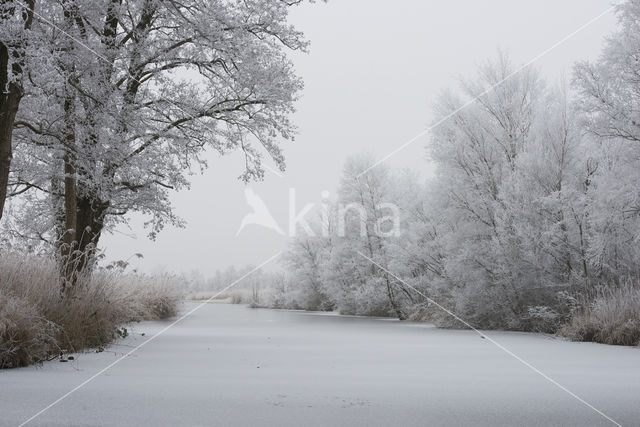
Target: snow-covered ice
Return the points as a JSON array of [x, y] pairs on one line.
[[231, 365]]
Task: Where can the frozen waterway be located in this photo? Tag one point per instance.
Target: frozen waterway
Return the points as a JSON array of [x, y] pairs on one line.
[[230, 365]]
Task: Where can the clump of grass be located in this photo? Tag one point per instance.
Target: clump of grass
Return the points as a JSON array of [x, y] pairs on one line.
[[234, 297], [157, 295], [613, 317], [36, 321], [26, 337]]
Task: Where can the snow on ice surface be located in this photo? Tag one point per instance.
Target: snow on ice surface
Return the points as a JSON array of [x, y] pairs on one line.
[[229, 365]]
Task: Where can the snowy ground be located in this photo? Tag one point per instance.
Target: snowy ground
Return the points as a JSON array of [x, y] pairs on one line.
[[230, 365]]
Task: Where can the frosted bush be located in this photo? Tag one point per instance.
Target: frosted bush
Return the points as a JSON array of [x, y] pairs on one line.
[[612, 318], [36, 322], [25, 336]]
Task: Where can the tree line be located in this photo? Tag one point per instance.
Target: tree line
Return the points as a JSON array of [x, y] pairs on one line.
[[533, 208]]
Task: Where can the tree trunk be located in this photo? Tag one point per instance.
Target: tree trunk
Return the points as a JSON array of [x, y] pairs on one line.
[[69, 242], [10, 95], [79, 251], [392, 300], [9, 102], [90, 223], [8, 108]]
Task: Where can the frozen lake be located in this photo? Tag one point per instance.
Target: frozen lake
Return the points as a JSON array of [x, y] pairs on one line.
[[230, 365]]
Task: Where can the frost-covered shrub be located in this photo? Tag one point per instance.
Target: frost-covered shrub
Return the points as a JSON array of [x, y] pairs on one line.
[[36, 321], [25, 336], [236, 298], [372, 299], [432, 311], [542, 318], [612, 318], [99, 305], [158, 296]]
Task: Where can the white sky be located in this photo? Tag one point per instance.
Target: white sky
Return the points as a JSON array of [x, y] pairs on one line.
[[374, 70]]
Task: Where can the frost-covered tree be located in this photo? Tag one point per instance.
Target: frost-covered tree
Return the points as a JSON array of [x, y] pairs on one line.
[[609, 99], [477, 151], [306, 264], [137, 91], [329, 268], [510, 201], [366, 216], [609, 88]]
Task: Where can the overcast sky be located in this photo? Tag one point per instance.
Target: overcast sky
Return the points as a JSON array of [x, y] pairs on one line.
[[373, 73]]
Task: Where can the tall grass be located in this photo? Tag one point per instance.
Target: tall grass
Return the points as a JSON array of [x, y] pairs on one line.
[[37, 322], [613, 317]]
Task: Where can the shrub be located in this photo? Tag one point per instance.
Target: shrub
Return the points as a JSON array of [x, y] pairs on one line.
[[236, 298], [157, 297], [25, 336], [36, 321], [233, 297], [613, 317]]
